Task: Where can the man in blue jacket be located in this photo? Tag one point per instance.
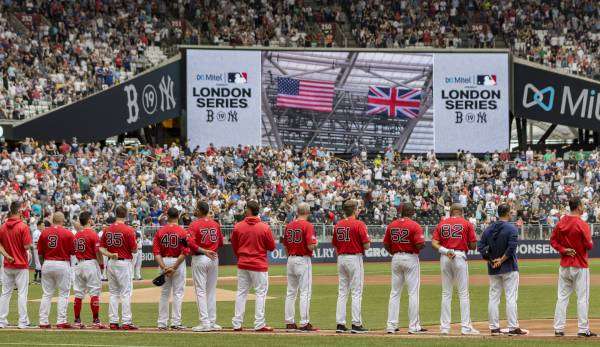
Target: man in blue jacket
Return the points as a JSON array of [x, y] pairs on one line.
[[498, 246]]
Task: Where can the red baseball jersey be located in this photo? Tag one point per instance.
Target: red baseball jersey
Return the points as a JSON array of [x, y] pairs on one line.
[[455, 233], [572, 232], [56, 243], [206, 233], [349, 235], [119, 238], [251, 240], [298, 235], [87, 243], [167, 241], [14, 236], [403, 235]]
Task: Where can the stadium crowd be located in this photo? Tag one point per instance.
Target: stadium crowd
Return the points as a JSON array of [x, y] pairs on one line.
[[148, 180], [55, 52]]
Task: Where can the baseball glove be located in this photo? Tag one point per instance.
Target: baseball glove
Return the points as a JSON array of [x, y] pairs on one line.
[[159, 280]]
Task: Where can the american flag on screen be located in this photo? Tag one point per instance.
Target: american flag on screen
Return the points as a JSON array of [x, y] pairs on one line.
[[305, 94], [394, 101]]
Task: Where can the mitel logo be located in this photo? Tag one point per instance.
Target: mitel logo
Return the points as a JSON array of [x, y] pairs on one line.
[[237, 77], [214, 77], [538, 96]]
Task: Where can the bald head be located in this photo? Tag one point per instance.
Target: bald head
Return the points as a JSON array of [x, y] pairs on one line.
[[456, 210], [303, 209], [58, 218]]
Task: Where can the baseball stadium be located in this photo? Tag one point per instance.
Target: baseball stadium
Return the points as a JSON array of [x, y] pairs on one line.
[[311, 172]]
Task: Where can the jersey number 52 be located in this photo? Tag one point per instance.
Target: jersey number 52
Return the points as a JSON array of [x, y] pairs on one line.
[[399, 235]]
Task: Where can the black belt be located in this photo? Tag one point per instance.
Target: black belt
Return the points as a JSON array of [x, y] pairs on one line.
[[298, 255], [404, 252], [122, 259], [350, 253], [87, 259]]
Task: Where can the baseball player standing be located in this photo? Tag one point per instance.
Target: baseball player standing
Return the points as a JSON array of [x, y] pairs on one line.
[[36, 232], [87, 271], [572, 239], [118, 244], [206, 233], [251, 240], [15, 242], [299, 241], [137, 256], [55, 248], [404, 239], [170, 252], [498, 246], [350, 240], [453, 237]]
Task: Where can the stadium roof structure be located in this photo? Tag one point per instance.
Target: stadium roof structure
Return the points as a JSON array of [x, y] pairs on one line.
[[348, 126]]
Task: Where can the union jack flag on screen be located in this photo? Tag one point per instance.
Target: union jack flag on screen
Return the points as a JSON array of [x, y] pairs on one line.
[[394, 101]]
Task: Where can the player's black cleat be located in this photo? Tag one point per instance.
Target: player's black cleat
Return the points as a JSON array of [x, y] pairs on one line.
[[517, 332], [587, 334], [559, 333], [496, 332], [341, 328], [358, 329]]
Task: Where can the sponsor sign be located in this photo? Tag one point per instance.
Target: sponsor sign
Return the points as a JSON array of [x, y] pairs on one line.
[[223, 98], [471, 102], [147, 99], [555, 98]]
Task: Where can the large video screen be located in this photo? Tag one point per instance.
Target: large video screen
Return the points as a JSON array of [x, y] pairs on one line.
[[414, 101]]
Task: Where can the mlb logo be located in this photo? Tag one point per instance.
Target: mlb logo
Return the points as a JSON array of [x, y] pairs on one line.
[[486, 80], [237, 77]]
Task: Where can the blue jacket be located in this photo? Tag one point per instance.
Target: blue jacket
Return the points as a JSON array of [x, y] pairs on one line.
[[501, 238]]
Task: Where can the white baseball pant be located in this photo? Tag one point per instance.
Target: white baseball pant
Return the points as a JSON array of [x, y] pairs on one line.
[[204, 273], [137, 265], [119, 287], [105, 271], [405, 271], [299, 279], [36, 260], [87, 279], [174, 284], [56, 275], [510, 282], [72, 269], [455, 272], [12, 278], [260, 282], [569, 279], [351, 278]]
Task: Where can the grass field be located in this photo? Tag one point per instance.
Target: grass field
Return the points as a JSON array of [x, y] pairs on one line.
[[536, 301]]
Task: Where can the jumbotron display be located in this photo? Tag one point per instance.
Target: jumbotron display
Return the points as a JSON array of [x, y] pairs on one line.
[[415, 102]]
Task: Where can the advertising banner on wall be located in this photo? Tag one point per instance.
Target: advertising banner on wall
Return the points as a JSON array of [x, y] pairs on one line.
[[146, 99], [325, 253], [223, 98], [471, 102], [555, 98]]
